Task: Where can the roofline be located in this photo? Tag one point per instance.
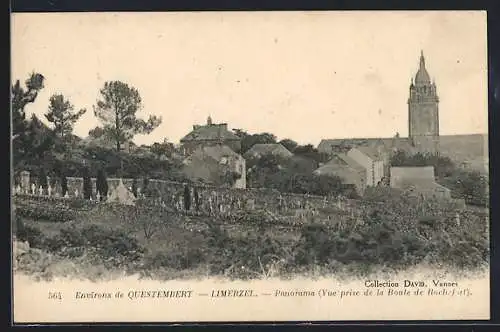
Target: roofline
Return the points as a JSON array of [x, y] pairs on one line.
[[205, 139]]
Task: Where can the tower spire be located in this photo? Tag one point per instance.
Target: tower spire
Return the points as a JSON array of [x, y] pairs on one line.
[[422, 60]]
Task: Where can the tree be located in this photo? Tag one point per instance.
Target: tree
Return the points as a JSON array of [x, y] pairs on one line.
[[162, 149], [42, 178], [187, 198], [62, 116], [64, 185], [249, 140], [289, 144], [87, 184], [117, 110], [102, 184], [443, 166], [21, 97], [96, 132], [309, 151], [134, 187], [38, 140]]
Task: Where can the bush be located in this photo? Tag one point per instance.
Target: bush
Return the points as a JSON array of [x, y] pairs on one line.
[[179, 258], [45, 211], [87, 185], [106, 245], [31, 234], [64, 185], [42, 178], [102, 184]]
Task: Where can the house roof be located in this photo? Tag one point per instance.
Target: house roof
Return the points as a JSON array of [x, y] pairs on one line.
[[371, 152], [346, 160], [350, 173], [331, 145], [216, 152], [210, 132], [272, 148]]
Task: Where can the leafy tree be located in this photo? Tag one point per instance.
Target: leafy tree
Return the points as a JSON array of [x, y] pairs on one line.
[[117, 110], [443, 166], [38, 138], [62, 116], [471, 186], [289, 144], [310, 152], [96, 132], [162, 149], [249, 140], [42, 178], [102, 184], [21, 97]]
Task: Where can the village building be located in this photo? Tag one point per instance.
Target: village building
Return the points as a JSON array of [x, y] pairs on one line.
[[217, 165], [210, 134], [372, 161], [419, 180], [347, 169], [276, 149]]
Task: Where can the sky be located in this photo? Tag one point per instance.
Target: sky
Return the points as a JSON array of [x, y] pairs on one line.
[[300, 75]]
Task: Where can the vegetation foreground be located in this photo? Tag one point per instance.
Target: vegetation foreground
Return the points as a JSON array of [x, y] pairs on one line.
[[96, 241]]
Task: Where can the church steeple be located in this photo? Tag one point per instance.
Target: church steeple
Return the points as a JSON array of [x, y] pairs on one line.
[[422, 77], [423, 111]]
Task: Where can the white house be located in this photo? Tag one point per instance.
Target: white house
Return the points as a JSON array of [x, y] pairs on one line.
[[372, 161]]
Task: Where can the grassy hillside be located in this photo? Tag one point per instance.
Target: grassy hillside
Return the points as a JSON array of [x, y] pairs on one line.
[[98, 240]]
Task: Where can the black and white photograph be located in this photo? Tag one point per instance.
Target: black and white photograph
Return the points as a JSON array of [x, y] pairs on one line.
[[246, 147]]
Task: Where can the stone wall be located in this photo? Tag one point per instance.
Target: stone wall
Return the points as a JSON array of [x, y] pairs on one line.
[[218, 199], [171, 194]]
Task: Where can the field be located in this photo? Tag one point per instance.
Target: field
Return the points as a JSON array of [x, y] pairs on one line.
[[75, 238]]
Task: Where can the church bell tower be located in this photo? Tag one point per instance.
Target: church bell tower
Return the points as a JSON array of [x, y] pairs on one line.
[[423, 112]]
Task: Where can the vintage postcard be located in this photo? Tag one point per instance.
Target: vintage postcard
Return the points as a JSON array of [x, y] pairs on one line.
[[249, 166]]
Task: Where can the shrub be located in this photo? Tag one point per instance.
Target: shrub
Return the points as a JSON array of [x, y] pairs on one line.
[[179, 258], [45, 211], [109, 246], [87, 184], [102, 184], [29, 233], [64, 185], [42, 178]]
